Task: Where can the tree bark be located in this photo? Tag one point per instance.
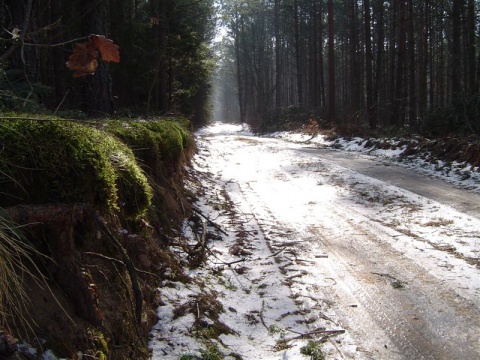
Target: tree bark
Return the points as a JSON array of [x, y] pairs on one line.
[[378, 100], [412, 80], [473, 86], [97, 89], [398, 114], [297, 53], [278, 54], [455, 67], [355, 74], [332, 115], [372, 121]]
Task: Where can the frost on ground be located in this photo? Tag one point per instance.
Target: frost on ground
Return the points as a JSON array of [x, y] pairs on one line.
[[311, 259]]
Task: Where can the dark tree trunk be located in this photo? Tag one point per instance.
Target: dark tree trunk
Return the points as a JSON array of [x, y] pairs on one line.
[[164, 68], [372, 121], [471, 49], [97, 89], [241, 76], [313, 91], [57, 55], [455, 67], [412, 81], [278, 60], [332, 115], [355, 72], [297, 53], [423, 57], [158, 89], [398, 114], [378, 99], [321, 72]]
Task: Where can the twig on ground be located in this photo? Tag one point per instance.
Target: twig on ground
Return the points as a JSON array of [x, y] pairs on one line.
[[231, 262], [276, 253], [261, 316], [384, 275], [118, 261], [324, 332], [210, 222]]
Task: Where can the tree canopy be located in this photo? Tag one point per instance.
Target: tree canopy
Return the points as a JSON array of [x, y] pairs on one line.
[[165, 59]]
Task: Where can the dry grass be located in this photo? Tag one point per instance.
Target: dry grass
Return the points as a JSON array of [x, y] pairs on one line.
[[15, 262], [18, 268]]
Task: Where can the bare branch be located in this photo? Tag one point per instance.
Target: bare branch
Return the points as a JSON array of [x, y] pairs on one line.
[[12, 48]]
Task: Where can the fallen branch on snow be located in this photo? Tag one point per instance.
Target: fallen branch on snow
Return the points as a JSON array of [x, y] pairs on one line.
[[210, 222]]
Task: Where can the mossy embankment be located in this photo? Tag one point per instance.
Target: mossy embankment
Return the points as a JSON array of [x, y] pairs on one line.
[[94, 203]]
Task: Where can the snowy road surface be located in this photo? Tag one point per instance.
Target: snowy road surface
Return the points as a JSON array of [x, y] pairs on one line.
[[464, 201], [387, 255]]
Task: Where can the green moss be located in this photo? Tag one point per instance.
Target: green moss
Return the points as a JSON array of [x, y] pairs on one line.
[[60, 161], [314, 350], [99, 343], [144, 143], [134, 191], [155, 142], [174, 138]]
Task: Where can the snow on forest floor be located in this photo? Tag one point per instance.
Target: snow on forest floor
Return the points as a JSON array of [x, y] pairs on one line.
[[263, 292]]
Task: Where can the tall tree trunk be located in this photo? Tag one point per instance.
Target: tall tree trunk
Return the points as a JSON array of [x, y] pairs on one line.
[[278, 54], [313, 58], [297, 53], [423, 58], [399, 100], [473, 86], [97, 90], [392, 62], [57, 56], [321, 68], [158, 89], [455, 67], [241, 77], [164, 68], [372, 121], [379, 73], [332, 115], [355, 72], [412, 81]]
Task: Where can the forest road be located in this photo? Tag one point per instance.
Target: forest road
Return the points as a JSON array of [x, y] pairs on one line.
[[365, 247], [430, 317], [467, 202]]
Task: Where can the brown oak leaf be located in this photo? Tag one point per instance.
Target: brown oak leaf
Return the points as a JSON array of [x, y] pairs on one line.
[[108, 50], [83, 60]]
